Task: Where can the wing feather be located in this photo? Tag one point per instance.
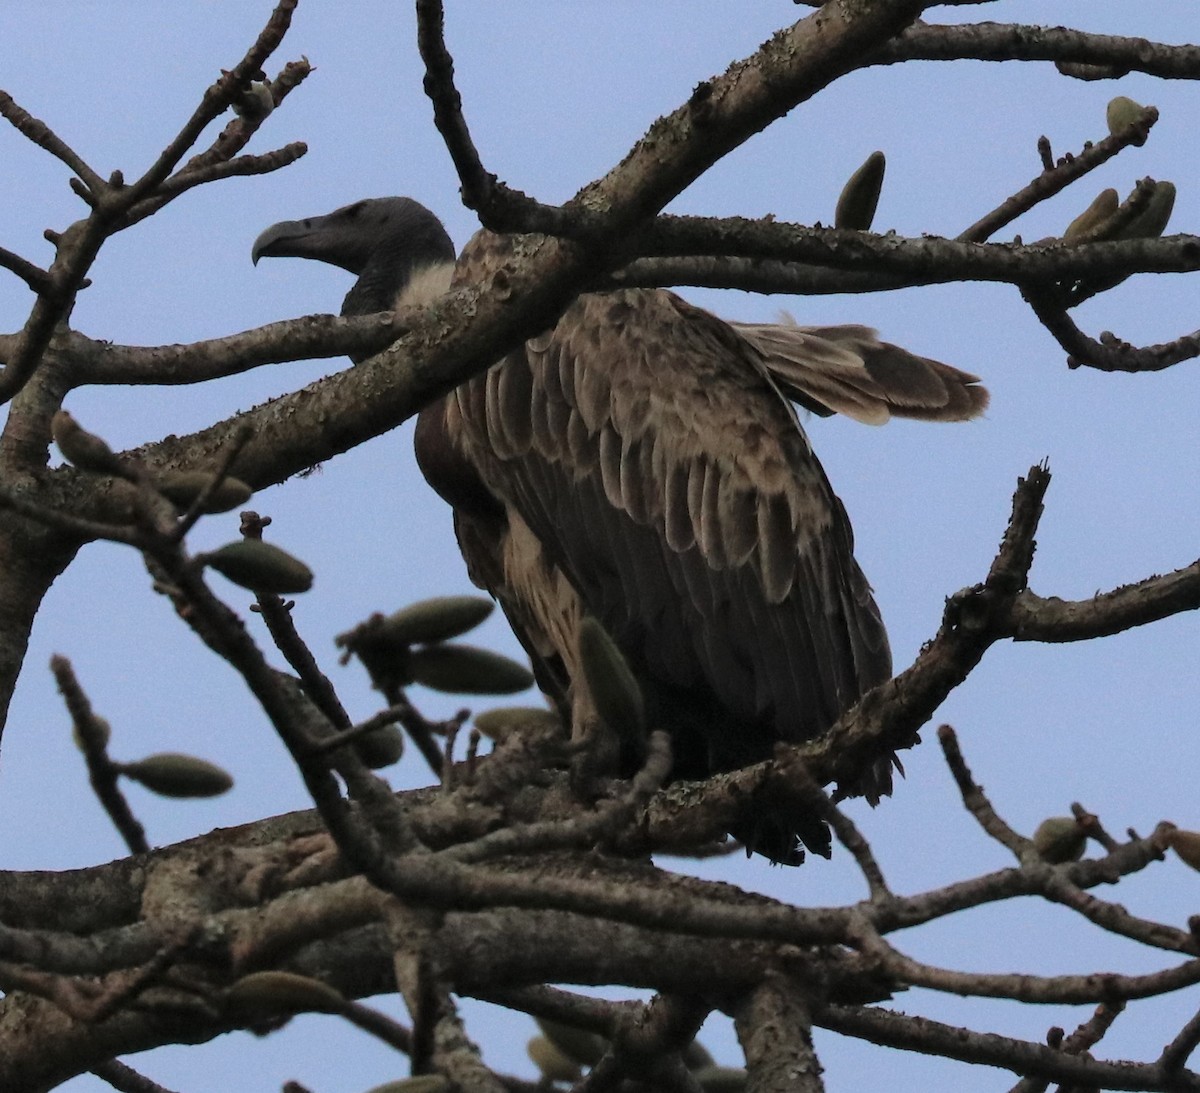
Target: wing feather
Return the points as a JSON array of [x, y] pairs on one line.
[[738, 523], [848, 370], [711, 543], [610, 465], [509, 393], [665, 474], [677, 516]]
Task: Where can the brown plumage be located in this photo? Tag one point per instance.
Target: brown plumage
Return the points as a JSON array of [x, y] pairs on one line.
[[641, 463]]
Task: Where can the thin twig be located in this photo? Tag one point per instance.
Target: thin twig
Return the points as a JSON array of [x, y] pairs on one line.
[[1091, 826], [91, 732], [1057, 178], [34, 276], [1062, 989], [1176, 1054], [43, 136], [125, 1079], [379, 1025], [295, 718], [976, 800], [477, 182], [846, 831], [420, 730], [499, 207], [609, 817], [216, 100], [1109, 354], [381, 720], [241, 436], [1079, 1043], [598, 1015]]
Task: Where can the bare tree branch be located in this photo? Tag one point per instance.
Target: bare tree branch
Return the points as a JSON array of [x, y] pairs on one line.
[[1057, 178], [1018, 42], [933, 1037]]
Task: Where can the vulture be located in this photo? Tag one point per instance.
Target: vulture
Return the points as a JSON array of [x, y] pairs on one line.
[[643, 463]]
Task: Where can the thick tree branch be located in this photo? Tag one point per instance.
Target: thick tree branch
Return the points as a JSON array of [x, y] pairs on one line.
[[930, 1037], [1033, 618], [774, 1025], [1017, 42]]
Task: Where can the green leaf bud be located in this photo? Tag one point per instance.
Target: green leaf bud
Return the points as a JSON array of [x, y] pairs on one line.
[[585, 1048], [171, 774], [1100, 210], [1059, 839], [615, 691], [274, 992], [260, 567], [860, 196], [80, 448], [466, 669], [721, 1079], [1121, 113], [182, 488], [1187, 845], [497, 724], [436, 619], [554, 1065], [1151, 222], [380, 747]]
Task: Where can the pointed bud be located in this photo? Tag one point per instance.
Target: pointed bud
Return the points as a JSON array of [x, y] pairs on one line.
[[436, 619], [260, 567], [80, 448], [1187, 845], [466, 669], [860, 196], [1059, 839], [579, 1045], [380, 747], [1151, 222], [182, 488], [615, 691], [275, 992], [100, 729], [696, 1056], [1122, 112], [721, 1079], [170, 774], [1088, 221], [554, 1065], [497, 724]]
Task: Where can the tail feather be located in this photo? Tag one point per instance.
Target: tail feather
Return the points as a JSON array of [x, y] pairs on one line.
[[848, 370]]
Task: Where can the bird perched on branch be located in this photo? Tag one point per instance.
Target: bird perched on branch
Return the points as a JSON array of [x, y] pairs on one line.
[[642, 463]]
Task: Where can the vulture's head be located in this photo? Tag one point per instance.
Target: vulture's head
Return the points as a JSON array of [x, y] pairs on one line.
[[398, 249]]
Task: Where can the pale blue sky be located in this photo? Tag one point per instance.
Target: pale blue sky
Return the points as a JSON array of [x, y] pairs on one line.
[[555, 95]]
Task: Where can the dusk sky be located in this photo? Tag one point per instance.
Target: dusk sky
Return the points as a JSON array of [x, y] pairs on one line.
[[555, 95]]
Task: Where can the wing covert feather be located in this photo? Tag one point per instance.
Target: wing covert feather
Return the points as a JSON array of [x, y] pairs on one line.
[[665, 474]]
